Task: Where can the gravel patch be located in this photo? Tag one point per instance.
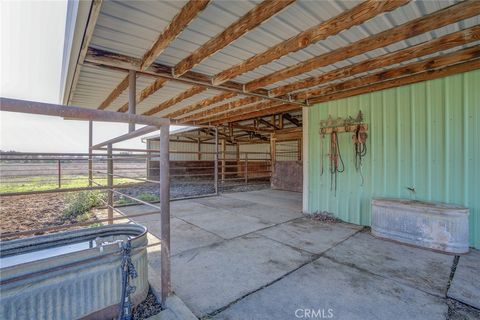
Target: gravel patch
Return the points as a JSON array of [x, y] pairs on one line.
[[460, 311], [324, 217], [149, 307], [181, 189]]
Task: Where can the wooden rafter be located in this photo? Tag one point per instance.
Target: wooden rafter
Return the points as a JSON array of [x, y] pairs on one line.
[[425, 65], [249, 128], [176, 26], [252, 19], [182, 96], [364, 88], [114, 94], [291, 119], [440, 18], [448, 41], [267, 111], [219, 109], [118, 62], [156, 85], [345, 20], [268, 124], [419, 77], [241, 109], [200, 105]]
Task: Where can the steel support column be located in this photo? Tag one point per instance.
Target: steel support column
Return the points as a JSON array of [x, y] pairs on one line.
[[90, 154], [165, 210], [132, 88]]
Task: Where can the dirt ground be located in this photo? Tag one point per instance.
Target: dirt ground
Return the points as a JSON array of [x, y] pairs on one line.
[[35, 211], [18, 213]]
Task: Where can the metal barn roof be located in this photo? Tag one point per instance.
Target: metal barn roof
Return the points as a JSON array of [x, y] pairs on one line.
[[129, 28]]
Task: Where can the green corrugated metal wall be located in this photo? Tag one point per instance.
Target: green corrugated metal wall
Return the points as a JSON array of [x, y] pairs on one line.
[[424, 135]]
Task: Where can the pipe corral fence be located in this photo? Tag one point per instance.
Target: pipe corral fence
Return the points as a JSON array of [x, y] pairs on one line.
[[100, 173], [166, 169]]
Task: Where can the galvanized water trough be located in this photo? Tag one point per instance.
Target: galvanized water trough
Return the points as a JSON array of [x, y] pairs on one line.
[[70, 275], [438, 226]]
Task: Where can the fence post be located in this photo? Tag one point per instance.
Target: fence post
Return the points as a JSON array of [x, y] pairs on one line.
[[165, 210], [216, 162], [222, 143], [273, 154], [110, 182], [239, 166], [59, 174], [246, 168], [90, 158]]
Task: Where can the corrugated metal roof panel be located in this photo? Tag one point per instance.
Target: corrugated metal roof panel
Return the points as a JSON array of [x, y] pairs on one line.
[[130, 28]]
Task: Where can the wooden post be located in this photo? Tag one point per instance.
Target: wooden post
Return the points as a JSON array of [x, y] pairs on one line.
[[216, 162], [280, 120], [299, 149], [246, 168], [110, 183], [199, 149], [222, 143], [165, 210], [132, 88], [59, 174], [239, 167], [90, 154], [273, 153]]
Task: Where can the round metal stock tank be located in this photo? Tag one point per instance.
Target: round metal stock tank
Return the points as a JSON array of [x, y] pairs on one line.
[[70, 275], [438, 226]]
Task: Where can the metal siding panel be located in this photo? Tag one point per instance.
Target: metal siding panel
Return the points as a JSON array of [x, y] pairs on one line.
[[423, 135]]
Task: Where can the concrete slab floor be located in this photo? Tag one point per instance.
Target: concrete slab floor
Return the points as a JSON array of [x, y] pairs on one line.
[[274, 198], [268, 213], [184, 236], [226, 224], [310, 235], [465, 286], [331, 288], [276, 261], [422, 269], [209, 278]]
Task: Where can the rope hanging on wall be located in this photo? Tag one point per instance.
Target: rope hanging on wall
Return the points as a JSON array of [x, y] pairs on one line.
[[360, 149], [336, 162], [340, 125]]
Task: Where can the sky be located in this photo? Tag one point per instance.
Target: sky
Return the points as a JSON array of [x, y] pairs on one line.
[[32, 39]]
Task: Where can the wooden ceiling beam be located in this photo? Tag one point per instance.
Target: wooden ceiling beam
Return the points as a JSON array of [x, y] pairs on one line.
[[419, 77], [448, 41], [268, 124], [428, 74], [249, 128], [117, 91], [291, 119], [200, 105], [239, 110], [176, 26], [425, 65], [438, 19], [148, 91], [182, 96], [347, 19], [219, 109], [257, 113], [117, 62], [249, 21]]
